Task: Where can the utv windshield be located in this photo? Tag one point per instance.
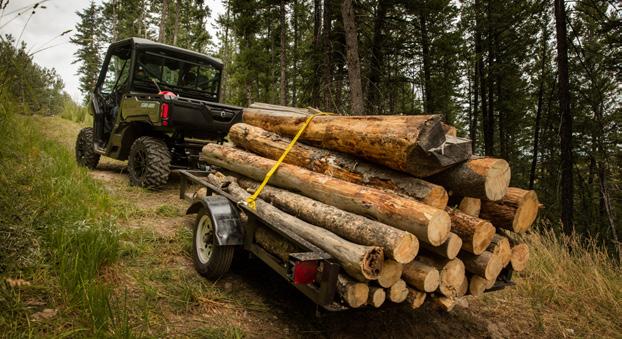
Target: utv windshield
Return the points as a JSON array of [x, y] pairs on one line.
[[184, 78]]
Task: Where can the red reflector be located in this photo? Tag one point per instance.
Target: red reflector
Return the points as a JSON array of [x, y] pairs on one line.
[[164, 123], [164, 111], [305, 272]]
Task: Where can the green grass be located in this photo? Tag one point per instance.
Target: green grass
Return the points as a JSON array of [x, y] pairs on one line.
[[58, 234]]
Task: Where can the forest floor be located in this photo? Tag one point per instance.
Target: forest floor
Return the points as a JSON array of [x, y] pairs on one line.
[[163, 296]]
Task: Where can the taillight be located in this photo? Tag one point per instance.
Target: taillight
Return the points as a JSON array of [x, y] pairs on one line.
[[164, 114], [305, 272]]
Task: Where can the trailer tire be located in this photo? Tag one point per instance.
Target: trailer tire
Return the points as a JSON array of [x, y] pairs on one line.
[[149, 163], [210, 259], [85, 150]]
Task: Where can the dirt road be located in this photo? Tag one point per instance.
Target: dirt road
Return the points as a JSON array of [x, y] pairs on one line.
[[165, 296]]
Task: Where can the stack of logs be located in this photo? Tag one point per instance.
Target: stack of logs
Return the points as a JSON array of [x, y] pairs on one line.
[[399, 201]]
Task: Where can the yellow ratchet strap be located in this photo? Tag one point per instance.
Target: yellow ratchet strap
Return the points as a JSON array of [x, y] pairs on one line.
[[251, 200]]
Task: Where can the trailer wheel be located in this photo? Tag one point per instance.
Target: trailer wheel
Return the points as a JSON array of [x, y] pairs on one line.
[[210, 259]]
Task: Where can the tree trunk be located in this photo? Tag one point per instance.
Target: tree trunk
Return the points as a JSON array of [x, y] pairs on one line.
[[413, 144], [361, 262], [337, 165], [224, 90], [176, 28], [478, 74], [421, 276], [283, 47], [376, 297], [398, 292], [163, 19], [390, 274], [354, 67], [317, 47], [452, 273], [397, 244], [327, 65], [483, 178], [449, 249], [486, 265], [415, 298], [296, 53], [470, 206], [565, 130], [354, 293], [376, 58], [425, 56], [516, 211], [429, 224]]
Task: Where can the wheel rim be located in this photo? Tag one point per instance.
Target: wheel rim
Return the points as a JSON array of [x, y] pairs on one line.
[[138, 163], [203, 239]]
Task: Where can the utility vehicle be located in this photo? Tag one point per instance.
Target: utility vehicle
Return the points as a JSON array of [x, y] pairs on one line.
[[154, 105]]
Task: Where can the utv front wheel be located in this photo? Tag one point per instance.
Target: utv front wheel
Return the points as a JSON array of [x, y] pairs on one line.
[[149, 163], [210, 259], [85, 150]]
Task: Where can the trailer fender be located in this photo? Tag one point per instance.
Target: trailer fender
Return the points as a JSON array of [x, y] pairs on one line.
[[224, 216]]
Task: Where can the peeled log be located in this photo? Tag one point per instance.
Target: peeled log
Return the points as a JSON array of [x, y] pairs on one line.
[[452, 273], [516, 211], [390, 274], [470, 206], [476, 234], [429, 224], [486, 265], [361, 262], [422, 276], [520, 256], [500, 246], [415, 298], [376, 297], [449, 249], [483, 178], [398, 291], [338, 165], [410, 144], [397, 244], [354, 293]]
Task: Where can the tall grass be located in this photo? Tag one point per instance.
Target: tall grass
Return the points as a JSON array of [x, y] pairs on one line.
[[58, 233], [75, 112]]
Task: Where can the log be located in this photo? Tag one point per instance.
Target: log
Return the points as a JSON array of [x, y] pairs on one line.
[[464, 287], [411, 144], [397, 244], [451, 273], [477, 285], [450, 130], [354, 293], [361, 262], [476, 233], [415, 298], [486, 265], [390, 274], [516, 211], [274, 243], [376, 297], [444, 303], [470, 206], [449, 249], [421, 276], [500, 246], [398, 292], [297, 110], [483, 178], [429, 224], [338, 165], [520, 256]]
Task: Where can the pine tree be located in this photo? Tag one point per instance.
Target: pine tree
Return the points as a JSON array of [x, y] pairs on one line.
[[90, 43]]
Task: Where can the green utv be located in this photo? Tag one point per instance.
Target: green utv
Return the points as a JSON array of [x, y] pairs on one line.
[[154, 105]]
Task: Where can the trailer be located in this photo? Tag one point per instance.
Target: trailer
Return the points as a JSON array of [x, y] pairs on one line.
[[224, 224]]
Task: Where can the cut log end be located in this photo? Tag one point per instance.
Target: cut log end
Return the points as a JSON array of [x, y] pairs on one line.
[[354, 293], [406, 249], [452, 276], [439, 228], [454, 243], [497, 179], [526, 212], [464, 287], [372, 263], [477, 285], [431, 281], [398, 292], [390, 273], [446, 304], [520, 257], [483, 236], [377, 297], [415, 298], [500, 246], [437, 197], [421, 275], [470, 206]]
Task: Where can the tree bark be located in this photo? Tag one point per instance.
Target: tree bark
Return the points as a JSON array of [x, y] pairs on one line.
[[377, 58], [283, 47], [515, 212], [327, 65], [565, 130], [317, 47], [421, 276], [476, 234], [483, 178], [354, 293], [163, 19], [296, 53], [486, 265], [449, 249], [398, 292], [451, 272], [425, 56], [413, 144], [337, 165], [427, 223], [390, 274], [397, 244], [354, 67], [361, 262]]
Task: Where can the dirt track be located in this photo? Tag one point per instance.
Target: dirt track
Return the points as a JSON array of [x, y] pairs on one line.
[[252, 298]]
